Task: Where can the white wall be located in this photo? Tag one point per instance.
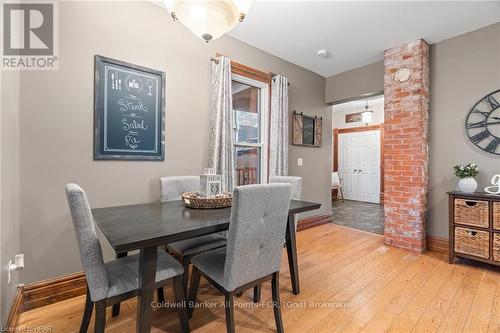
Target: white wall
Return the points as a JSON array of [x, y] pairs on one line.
[[340, 110]]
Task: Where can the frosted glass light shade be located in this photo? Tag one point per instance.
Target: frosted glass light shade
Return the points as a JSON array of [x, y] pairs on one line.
[[208, 19], [367, 117]]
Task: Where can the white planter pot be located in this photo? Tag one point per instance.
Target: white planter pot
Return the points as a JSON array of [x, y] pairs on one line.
[[467, 185]]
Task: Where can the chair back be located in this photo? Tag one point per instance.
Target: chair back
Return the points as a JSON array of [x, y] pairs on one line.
[[296, 183], [172, 187], [88, 243], [335, 179], [256, 232]]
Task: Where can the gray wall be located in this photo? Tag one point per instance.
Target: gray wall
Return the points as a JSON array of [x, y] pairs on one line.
[[463, 70], [57, 122], [9, 179], [366, 80]]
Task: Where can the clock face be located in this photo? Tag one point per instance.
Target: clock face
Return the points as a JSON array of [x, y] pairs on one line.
[[403, 74], [483, 123]]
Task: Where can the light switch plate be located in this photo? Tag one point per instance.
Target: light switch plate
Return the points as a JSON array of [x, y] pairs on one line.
[[300, 162]]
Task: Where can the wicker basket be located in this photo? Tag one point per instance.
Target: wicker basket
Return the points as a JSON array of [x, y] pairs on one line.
[[496, 215], [473, 242], [198, 201], [472, 212], [496, 247]]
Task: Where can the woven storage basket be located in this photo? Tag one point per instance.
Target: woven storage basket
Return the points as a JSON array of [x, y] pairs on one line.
[[473, 242], [496, 215], [496, 247], [198, 201], [471, 212]]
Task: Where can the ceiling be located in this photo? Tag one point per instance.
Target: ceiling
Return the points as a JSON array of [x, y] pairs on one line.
[[359, 105], [355, 33]]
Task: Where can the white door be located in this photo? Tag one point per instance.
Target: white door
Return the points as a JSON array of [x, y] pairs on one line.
[[359, 165], [348, 161]]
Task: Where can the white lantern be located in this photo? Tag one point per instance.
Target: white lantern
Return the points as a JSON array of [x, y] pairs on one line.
[[210, 183], [367, 115]]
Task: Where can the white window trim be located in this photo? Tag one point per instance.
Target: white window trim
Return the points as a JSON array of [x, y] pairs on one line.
[[264, 116]]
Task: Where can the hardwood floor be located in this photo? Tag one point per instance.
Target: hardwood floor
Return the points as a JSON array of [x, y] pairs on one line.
[[350, 282]]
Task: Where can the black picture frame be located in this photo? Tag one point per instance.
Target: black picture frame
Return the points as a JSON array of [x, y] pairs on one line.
[[124, 127]]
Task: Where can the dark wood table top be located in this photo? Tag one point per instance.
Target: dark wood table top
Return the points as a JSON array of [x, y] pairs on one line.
[[133, 227]]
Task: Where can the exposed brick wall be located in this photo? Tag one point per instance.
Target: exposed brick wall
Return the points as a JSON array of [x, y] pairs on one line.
[[406, 146]]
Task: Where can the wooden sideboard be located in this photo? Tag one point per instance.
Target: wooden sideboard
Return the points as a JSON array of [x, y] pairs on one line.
[[474, 226]]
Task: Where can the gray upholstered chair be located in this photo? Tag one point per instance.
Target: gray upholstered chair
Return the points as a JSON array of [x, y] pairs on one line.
[[171, 189], [115, 281], [296, 183], [254, 248]]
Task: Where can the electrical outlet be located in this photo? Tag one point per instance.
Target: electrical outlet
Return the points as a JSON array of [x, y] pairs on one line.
[[15, 265], [300, 162]]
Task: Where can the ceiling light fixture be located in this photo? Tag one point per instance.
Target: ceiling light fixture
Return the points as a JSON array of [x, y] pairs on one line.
[[323, 53], [367, 115], [208, 19]]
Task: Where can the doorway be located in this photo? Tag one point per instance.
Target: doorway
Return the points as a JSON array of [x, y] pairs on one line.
[[358, 163]]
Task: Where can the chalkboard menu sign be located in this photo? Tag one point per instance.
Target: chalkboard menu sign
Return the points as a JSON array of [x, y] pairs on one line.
[[129, 111]]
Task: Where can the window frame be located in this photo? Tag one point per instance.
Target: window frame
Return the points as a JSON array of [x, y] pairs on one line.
[[263, 123]]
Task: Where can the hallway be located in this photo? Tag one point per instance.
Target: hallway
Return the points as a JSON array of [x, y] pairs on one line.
[[359, 215]]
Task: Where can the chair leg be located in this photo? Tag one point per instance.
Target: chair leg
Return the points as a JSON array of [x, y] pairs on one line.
[[229, 306], [185, 276], [276, 302], [100, 316], [180, 300], [256, 293], [193, 290], [87, 313]]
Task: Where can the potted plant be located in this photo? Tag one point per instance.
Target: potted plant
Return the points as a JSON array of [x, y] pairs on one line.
[[467, 174]]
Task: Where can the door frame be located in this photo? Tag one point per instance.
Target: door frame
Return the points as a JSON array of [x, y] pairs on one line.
[[335, 152]]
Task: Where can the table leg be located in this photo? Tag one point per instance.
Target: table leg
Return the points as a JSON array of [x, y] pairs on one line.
[[147, 274], [291, 249], [116, 307]]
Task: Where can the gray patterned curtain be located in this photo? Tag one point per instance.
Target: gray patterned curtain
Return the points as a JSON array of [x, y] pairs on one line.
[[221, 149], [278, 141]]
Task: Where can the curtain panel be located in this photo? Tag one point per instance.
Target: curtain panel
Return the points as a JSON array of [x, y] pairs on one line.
[[278, 140], [221, 141]]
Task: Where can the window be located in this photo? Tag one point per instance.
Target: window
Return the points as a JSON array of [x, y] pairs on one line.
[[250, 107]]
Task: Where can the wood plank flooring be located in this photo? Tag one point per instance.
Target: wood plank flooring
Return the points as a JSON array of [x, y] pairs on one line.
[[350, 282]]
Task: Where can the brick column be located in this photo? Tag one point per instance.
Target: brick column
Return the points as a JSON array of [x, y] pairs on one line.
[[406, 146]]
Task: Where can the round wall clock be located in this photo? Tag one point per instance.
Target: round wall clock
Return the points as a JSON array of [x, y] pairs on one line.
[[403, 74], [483, 123]]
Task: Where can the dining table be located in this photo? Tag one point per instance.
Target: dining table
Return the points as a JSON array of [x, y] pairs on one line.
[[145, 227]]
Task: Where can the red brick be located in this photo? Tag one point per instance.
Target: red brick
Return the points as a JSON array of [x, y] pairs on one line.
[[406, 146]]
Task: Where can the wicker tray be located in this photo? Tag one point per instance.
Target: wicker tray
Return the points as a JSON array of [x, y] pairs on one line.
[[196, 200]]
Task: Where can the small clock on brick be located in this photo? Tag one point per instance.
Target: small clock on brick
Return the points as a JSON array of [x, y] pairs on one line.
[[483, 123]]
